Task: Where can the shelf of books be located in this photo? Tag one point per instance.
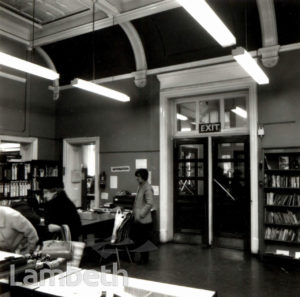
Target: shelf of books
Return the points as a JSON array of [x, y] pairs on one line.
[[281, 219], [20, 180]]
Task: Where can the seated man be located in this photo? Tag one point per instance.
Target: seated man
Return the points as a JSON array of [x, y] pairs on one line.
[[17, 234], [59, 209]]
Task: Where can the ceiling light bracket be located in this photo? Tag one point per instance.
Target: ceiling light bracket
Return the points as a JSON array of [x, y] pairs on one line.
[[269, 55]]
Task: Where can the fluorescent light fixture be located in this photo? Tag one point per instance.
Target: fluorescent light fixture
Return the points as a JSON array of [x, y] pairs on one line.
[[250, 65], [186, 129], [209, 20], [22, 65], [103, 91], [240, 111], [181, 117], [9, 147]]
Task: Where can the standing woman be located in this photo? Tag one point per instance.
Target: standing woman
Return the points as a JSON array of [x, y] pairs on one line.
[[142, 226]]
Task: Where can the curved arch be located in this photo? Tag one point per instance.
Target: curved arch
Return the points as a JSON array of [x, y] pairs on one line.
[[135, 41], [51, 65], [139, 53], [267, 17]]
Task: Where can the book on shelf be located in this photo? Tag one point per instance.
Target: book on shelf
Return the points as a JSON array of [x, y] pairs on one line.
[[282, 234], [286, 218], [280, 181], [267, 163], [296, 163], [283, 163]]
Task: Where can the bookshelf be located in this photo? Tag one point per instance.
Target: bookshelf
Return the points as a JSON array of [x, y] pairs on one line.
[[24, 180], [280, 230]]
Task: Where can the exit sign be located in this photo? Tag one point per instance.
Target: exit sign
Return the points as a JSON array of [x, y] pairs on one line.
[[210, 127]]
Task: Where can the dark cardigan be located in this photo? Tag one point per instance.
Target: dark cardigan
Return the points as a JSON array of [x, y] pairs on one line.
[[62, 211]]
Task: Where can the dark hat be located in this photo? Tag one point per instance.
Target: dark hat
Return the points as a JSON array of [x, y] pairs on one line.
[[51, 183]]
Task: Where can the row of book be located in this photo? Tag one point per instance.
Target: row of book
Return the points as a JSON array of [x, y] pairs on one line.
[[282, 162], [287, 218], [45, 171], [279, 181], [22, 171], [14, 171], [282, 199], [5, 202], [15, 189], [282, 234]]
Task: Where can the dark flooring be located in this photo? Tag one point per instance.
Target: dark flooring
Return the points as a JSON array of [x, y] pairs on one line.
[[231, 273]]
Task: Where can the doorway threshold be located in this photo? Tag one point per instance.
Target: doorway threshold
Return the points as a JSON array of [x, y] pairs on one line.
[[187, 238]]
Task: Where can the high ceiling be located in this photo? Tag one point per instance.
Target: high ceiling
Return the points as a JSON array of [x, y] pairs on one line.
[[123, 36]]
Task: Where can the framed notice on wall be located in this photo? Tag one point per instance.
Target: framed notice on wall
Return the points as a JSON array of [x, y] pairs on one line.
[[120, 169]]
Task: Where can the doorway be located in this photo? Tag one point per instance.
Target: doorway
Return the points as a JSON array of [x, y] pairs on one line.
[[190, 191], [81, 162], [228, 185], [231, 192]]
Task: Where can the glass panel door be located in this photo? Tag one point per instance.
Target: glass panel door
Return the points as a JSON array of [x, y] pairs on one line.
[[190, 193], [231, 192]]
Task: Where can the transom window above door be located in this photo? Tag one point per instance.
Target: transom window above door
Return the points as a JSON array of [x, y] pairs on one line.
[[227, 112]]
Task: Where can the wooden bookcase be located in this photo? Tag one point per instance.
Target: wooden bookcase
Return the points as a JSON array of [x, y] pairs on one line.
[[24, 180], [281, 203]]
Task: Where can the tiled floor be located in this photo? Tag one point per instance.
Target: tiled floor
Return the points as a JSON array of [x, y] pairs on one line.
[[231, 273]]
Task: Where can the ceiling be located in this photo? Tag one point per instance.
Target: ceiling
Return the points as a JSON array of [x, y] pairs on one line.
[[47, 11], [123, 36]]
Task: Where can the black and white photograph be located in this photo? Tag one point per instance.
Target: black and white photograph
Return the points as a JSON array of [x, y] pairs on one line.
[[149, 148]]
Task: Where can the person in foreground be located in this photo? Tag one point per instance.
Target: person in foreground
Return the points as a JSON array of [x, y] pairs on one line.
[[142, 227], [60, 210], [17, 234]]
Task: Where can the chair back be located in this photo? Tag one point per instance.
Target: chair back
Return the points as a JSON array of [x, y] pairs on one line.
[[122, 225]]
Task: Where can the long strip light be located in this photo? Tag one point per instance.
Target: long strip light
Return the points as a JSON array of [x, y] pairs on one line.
[[186, 129], [181, 117], [103, 91], [250, 65], [240, 111], [22, 65], [209, 20]]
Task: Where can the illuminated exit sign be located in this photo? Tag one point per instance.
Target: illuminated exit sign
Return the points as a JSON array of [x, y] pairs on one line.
[[210, 127]]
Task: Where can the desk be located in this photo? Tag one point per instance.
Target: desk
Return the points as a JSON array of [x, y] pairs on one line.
[[100, 227], [100, 217], [81, 282]]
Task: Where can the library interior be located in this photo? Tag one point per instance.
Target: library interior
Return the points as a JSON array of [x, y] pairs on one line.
[[150, 148]]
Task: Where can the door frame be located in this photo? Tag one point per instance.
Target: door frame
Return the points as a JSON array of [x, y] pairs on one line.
[[204, 141], [233, 139], [29, 146], [206, 80], [78, 141]]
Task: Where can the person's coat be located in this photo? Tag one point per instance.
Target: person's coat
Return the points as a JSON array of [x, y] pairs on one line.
[[143, 204], [62, 211], [17, 234]]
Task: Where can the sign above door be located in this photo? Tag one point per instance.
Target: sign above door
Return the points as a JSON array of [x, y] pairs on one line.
[[209, 127]]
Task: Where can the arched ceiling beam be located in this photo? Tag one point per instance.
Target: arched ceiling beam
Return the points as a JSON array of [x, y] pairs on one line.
[[135, 41], [51, 65], [267, 16]]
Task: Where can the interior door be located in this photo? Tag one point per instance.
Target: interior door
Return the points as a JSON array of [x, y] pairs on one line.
[[231, 192], [72, 172], [190, 191], [80, 153]]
